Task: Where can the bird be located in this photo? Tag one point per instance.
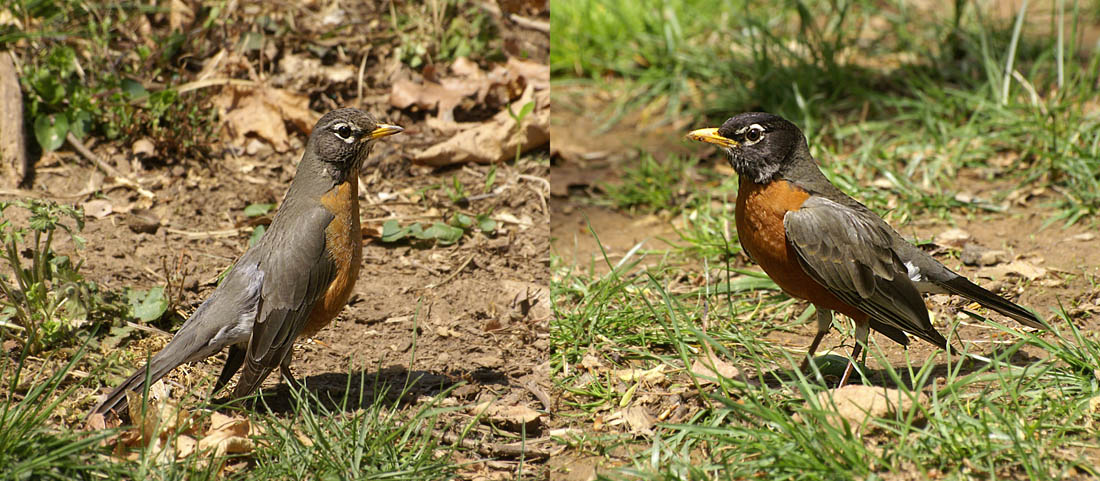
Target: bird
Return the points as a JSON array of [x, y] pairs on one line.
[[291, 283], [821, 245]]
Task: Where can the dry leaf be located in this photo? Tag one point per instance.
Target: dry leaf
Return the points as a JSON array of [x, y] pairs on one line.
[[297, 72], [264, 112], [467, 84], [709, 370], [143, 147], [180, 15], [497, 139], [152, 415], [227, 435], [952, 238], [95, 422], [650, 376], [185, 446], [98, 208], [515, 418], [591, 362], [857, 404], [1017, 268], [1083, 237], [639, 420]]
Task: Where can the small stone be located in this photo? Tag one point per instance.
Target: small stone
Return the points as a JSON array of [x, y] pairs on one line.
[[143, 148], [974, 254], [956, 238]]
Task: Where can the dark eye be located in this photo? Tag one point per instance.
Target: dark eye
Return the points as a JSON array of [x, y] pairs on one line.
[[343, 131], [754, 134]]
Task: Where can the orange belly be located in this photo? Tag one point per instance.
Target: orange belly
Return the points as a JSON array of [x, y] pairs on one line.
[[344, 243], [759, 212]]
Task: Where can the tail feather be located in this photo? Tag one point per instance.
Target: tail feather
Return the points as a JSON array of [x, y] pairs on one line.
[[963, 287], [116, 400]]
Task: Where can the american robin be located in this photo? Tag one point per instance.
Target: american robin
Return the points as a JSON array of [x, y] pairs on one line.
[[821, 245], [294, 281]]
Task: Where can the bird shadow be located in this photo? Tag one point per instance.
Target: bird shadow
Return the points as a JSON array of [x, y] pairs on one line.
[[351, 391], [831, 368]]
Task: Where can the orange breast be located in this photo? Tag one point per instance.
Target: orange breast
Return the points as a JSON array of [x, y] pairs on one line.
[[344, 242], [760, 210]]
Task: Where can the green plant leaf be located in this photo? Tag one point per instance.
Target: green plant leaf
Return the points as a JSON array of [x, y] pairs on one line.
[[134, 90], [525, 110], [49, 88], [81, 123], [486, 224], [490, 179], [50, 131], [257, 234], [442, 233], [256, 210], [148, 306], [392, 231], [462, 220]]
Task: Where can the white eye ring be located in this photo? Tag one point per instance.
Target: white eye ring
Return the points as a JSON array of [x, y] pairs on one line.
[[753, 134], [348, 132]]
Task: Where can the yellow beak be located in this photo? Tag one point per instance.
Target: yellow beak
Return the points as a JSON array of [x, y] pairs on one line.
[[711, 136], [384, 130]]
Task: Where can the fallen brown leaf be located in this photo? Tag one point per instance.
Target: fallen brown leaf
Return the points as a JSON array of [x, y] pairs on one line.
[[1017, 268], [263, 112], [497, 139], [639, 420], [858, 404], [709, 370]]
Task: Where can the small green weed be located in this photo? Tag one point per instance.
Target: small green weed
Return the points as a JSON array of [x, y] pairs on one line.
[[253, 211], [439, 31], [652, 186], [46, 298], [442, 233], [74, 84]]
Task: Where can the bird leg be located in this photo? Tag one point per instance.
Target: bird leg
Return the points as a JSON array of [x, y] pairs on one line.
[[863, 330], [824, 324], [284, 368]]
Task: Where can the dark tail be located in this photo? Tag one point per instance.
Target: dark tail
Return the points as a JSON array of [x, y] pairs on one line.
[[116, 401], [963, 287]]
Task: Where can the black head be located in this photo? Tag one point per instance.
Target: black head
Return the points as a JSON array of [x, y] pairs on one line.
[[759, 144], [343, 138]]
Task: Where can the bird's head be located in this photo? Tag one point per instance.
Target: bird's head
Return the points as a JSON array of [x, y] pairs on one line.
[[758, 144], [344, 137]]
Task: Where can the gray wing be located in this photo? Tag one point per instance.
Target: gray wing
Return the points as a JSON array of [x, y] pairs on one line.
[[296, 274], [850, 253]]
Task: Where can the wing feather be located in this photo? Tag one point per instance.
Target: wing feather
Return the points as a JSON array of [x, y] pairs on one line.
[[849, 253], [297, 273]]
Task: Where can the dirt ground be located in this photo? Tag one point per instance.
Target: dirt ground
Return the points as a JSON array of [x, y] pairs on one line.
[[475, 312], [1069, 255], [429, 316]]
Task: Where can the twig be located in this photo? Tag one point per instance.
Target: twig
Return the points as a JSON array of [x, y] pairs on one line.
[[453, 274], [540, 395], [212, 82], [107, 169], [206, 234], [521, 21], [535, 179], [524, 22], [359, 84], [149, 329]]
